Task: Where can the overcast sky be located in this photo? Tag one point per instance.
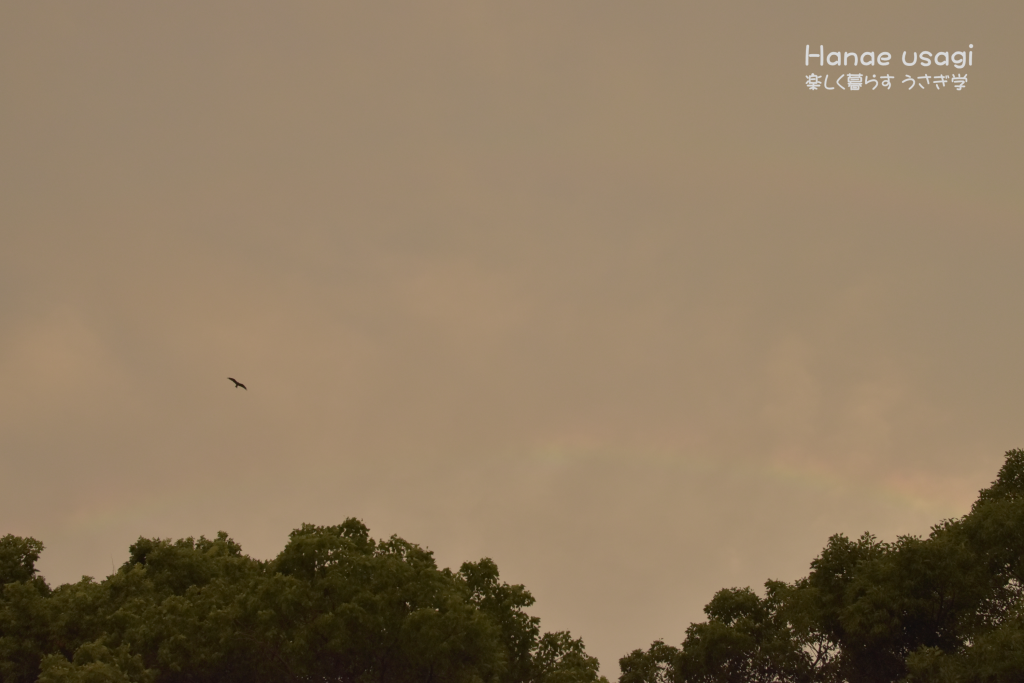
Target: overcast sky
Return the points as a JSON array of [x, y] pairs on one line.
[[600, 290]]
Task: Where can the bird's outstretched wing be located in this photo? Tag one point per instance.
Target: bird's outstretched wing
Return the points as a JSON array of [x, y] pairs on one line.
[[237, 383]]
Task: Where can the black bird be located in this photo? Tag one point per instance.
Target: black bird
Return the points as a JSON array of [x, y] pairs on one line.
[[237, 383]]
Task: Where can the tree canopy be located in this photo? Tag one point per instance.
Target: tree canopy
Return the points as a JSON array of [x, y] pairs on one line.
[[339, 605], [920, 610], [335, 605]]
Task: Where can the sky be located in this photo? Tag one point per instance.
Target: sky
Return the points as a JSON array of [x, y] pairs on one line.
[[600, 290]]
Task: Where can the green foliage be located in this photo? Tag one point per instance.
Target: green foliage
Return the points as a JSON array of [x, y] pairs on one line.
[[25, 618], [335, 605], [18, 559], [1009, 484], [96, 663], [561, 659], [656, 665], [946, 608], [505, 605], [746, 639]]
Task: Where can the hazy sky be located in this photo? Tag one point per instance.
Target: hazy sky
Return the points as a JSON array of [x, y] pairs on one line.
[[599, 290]]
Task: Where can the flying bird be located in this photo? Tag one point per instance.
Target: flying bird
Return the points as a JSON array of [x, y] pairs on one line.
[[237, 383]]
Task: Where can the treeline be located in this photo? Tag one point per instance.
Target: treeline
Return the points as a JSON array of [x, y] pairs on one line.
[[945, 608], [335, 605]]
